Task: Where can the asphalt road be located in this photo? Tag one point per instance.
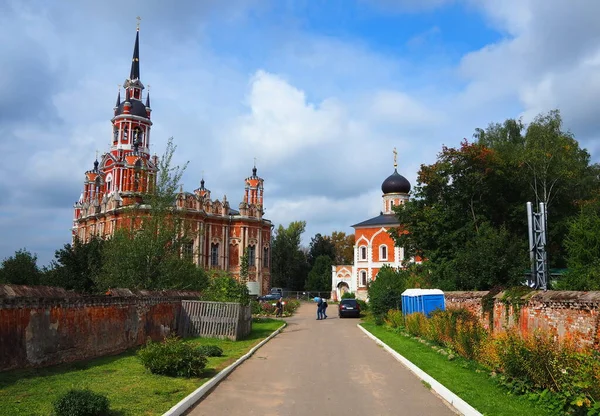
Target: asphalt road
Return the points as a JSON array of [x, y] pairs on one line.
[[326, 367]]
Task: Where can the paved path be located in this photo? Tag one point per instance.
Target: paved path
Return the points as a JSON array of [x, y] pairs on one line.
[[326, 367]]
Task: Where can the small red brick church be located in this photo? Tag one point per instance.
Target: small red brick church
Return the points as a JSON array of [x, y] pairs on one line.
[[125, 173], [373, 246]]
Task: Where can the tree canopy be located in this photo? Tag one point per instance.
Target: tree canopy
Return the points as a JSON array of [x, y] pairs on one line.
[[289, 266], [467, 216]]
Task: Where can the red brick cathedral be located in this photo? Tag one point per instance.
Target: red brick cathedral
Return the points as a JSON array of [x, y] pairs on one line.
[[127, 171]]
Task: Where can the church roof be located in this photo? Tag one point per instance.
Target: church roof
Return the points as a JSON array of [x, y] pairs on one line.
[[382, 219]]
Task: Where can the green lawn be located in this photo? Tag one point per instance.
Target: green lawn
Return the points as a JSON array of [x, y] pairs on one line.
[[462, 377], [131, 389]]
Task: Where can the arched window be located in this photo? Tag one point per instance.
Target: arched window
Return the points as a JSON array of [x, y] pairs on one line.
[[137, 175], [188, 250], [363, 253], [115, 135], [363, 278], [214, 254], [266, 257], [382, 252], [251, 256]]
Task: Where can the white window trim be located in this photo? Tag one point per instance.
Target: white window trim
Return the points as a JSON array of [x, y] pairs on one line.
[[381, 257], [360, 253], [360, 278]]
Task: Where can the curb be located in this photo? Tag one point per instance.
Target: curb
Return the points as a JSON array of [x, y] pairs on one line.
[[201, 391], [459, 404]]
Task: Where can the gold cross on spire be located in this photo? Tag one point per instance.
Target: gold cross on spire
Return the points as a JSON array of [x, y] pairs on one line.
[[96, 154], [395, 158], [255, 162], [138, 22]]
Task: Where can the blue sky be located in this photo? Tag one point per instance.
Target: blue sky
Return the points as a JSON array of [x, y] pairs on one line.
[[319, 91]]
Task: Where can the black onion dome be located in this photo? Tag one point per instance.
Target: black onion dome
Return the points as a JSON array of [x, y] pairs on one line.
[[395, 184], [137, 108]]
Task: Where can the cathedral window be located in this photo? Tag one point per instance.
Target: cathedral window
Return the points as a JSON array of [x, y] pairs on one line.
[[382, 252], [363, 278], [251, 256], [125, 134], [363, 253], [188, 250], [214, 254], [266, 257], [115, 134]]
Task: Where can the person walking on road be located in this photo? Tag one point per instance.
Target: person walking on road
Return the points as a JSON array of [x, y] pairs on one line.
[[319, 308]]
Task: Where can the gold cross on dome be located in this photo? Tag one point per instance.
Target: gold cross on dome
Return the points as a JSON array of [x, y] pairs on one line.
[[395, 158], [138, 22]]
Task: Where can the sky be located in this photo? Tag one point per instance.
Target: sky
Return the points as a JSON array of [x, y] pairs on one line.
[[320, 92]]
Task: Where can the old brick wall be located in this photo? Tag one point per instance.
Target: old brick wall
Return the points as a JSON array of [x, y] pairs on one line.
[[565, 313], [42, 326]]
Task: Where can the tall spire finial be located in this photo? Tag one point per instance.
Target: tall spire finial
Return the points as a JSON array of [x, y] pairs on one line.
[[135, 61], [139, 19], [395, 158]]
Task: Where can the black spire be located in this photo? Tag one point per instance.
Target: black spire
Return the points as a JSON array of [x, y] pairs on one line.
[[202, 184], [96, 165], [148, 99], [135, 62], [118, 98], [254, 172]]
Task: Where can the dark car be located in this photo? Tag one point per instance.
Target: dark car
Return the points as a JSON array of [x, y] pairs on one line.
[[349, 307], [269, 297]]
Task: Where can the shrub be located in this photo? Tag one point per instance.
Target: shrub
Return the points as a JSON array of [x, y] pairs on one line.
[[385, 292], [394, 318], [291, 306], [222, 287], [173, 357], [364, 306], [348, 295], [416, 324], [81, 403], [210, 350]]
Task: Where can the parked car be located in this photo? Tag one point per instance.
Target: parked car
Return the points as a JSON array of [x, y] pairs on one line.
[[277, 290], [269, 297], [348, 307]]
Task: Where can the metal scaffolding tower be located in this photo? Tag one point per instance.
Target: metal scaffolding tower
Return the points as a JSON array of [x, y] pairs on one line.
[[537, 246]]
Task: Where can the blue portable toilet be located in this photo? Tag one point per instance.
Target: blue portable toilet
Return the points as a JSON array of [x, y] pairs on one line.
[[422, 300]]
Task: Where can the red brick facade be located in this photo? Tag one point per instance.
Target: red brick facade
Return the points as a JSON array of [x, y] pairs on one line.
[[123, 175]]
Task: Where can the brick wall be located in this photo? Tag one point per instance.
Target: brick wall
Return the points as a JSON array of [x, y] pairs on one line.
[[42, 326], [564, 313]]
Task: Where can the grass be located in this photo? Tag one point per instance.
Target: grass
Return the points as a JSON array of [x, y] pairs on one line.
[[465, 378], [131, 389]]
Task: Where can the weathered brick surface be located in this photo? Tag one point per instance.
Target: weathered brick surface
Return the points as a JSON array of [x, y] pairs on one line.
[[567, 314], [61, 326]]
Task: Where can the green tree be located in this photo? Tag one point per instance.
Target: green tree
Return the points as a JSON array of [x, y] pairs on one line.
[[385, 292], [222, 287], [344, 247], [244, 266], [76, 266], [542, 163], [149, 255], [583, 250], [320, 246], [319, 277], [289, 266], [20, 269]]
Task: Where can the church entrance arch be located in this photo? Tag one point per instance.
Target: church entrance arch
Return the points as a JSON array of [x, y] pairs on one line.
[[342, 288]]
